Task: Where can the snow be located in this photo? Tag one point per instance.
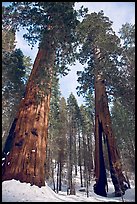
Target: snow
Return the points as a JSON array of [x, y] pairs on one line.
[[15, 191]]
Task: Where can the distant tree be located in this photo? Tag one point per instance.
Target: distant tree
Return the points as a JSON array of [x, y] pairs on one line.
[[80, 156], [87, 141], [14, 69], [53, 125], [125, 134], [8, 33], [8, 40], [27, 61], [90, 127], [8, 45], [87, 137], [62, 138], [13, 86], [56, 148], [126, 90], [14, 75], [72, 140]]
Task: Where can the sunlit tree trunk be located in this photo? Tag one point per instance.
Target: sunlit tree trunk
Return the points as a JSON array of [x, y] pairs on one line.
[[103, 125], [26, 159]]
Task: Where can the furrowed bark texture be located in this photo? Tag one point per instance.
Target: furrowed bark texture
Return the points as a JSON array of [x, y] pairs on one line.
[[103, 121], [26, 159]]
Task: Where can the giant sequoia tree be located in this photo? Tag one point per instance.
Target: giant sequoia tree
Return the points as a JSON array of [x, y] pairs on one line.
[[100, 48], [53, 24]]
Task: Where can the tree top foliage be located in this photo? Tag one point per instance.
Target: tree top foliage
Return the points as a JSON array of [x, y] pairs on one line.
[[128, 35], [99, 50], [51, 23], [103, 52]]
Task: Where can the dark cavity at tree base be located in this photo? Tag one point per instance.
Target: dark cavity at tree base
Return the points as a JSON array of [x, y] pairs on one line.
[[99, 190]]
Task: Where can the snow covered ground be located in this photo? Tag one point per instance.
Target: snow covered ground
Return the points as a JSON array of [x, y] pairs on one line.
[[15, 191]]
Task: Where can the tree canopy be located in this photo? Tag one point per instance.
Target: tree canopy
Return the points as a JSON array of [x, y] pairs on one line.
[[47, 20], [116, 57], [96, 35]]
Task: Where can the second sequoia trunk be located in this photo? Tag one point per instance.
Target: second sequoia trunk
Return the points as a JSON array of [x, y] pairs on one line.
[[103, 126], [26, 158]]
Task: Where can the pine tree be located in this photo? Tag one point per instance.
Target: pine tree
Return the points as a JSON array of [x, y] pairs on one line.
[[72, 132], [53, 129], [62, 138], [125, 134], [126, 83], [13, 86], [57, 134], [87, 140]]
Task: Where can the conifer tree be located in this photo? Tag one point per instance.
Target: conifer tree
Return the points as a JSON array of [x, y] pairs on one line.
[[72, 132], [100, 48], [53, 24]]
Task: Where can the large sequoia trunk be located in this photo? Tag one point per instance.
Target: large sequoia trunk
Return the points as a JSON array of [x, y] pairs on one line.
[[26, 158], [100, 170], [103, 124]]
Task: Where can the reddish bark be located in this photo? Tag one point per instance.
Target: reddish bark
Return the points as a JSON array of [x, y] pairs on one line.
[[102, 116], [26, 159]]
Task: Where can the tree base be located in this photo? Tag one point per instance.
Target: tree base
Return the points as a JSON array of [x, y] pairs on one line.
[[119, 193], [71, 191], [100, 190]]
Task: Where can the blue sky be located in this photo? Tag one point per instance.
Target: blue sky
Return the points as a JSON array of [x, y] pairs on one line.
[[118, 12]]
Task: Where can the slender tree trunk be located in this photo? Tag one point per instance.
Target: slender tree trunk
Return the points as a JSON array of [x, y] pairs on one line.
[[71, 187], [81, 177], [80, 165], [48, 164], [102, 117], [70, 161], [84, 159], [75, 150], [60, 170], [87, 182], [54, 187], [27, 155], [57, 188], [90, 158]]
